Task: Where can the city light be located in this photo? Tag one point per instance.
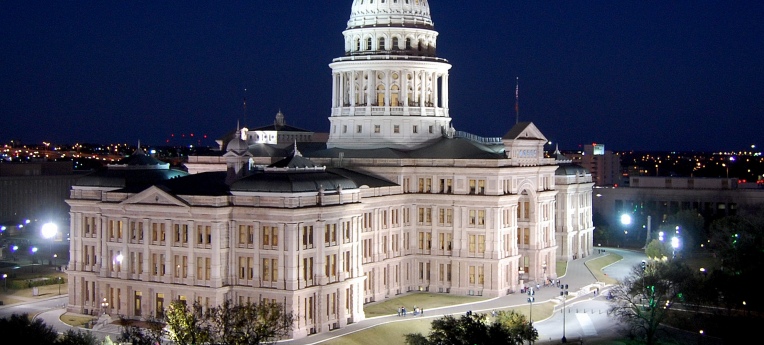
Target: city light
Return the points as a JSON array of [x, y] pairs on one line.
[[625, 219], [49, 230]]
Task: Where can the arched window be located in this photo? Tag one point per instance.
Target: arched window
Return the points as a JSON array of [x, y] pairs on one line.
[[395, 44], [381, 95], [368, 43], [394, 97], [408, 44], [358, 44], [381, 44]]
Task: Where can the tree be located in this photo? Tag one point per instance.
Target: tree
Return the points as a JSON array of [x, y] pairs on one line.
[[645, 298], [21, 328], [518, 325], [737, 241], [141, 336], [186, 325], [474, 329], [658, 250], [74, 337], [250, 323]]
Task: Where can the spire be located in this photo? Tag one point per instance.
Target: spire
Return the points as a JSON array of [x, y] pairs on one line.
[[557, 149], [296, 153], [517, 101]]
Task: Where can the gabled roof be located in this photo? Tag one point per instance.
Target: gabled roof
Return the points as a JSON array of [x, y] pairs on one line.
[[524, 131]]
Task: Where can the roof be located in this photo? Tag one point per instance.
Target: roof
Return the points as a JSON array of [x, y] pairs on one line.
[[570, 170], [362, 179], [128, 180], [443, 148], [139, 160], [292, 182], [284, 128], [207, 184], [524, 131]]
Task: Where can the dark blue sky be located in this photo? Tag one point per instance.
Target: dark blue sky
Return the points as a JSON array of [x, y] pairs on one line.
[[643, 75]]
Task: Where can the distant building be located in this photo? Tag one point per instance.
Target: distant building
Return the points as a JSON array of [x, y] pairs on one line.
[[36, 190], [605, 166], [661, 197], [396, 201]]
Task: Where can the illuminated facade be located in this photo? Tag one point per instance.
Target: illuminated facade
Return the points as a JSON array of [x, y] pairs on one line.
[[385, 208]]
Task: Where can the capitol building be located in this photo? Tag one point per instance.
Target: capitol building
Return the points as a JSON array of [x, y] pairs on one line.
[[396, 200]]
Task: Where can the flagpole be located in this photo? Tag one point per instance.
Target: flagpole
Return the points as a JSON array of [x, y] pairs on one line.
[[517, 101]]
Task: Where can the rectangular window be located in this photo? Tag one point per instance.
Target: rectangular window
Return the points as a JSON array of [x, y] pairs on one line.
[[307, 237], [415, 129], [377, 129], [270, 237], [359, 129], [307, 270], [396, 129]]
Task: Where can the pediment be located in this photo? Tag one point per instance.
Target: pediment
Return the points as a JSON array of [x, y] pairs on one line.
[[525, 131], [155, 196]]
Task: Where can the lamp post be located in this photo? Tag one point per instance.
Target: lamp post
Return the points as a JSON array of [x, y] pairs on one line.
[[531, 299], [649, 225], [59, 285], [5, 282], [625, 221], [49, 231], [564, 294], [674, 246], [104, 305]]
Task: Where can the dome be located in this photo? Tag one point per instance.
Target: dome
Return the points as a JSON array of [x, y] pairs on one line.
[[237, 145], [409, 13], [139, 161]]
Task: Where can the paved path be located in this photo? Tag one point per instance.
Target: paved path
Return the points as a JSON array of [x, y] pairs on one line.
[[578, 278]]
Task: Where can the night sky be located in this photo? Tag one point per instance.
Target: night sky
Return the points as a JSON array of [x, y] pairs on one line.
[[633, 75]]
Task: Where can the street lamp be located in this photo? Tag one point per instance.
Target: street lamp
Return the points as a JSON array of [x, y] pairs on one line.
[[104, 305], [626, 221], [564, 294], [49, 230], [59, 285], [674, 246], [5, 282], [531, 299]]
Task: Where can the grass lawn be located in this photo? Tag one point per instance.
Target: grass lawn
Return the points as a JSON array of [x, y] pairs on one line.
[[13, 296], [75, 320], [419, 299], [387, 334], [562, 268]]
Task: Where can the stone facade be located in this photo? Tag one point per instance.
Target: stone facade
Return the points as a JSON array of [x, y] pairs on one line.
[[358, 222]]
